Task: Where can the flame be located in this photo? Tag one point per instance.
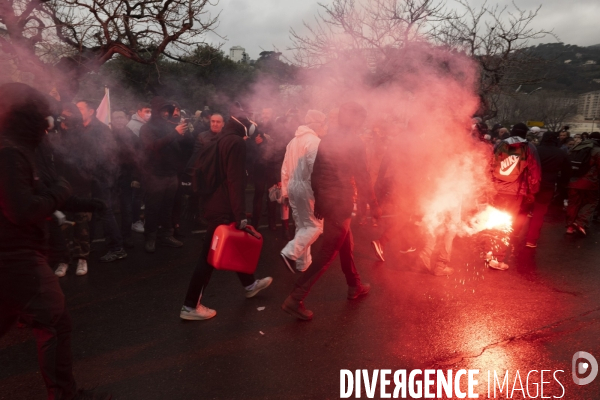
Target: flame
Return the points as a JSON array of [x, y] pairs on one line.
[[496, 219], [489, 219]]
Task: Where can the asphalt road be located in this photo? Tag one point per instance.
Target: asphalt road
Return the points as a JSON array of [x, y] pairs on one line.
[[128, 338]]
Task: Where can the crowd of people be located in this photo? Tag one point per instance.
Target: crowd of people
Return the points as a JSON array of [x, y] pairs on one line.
[[63, 173]]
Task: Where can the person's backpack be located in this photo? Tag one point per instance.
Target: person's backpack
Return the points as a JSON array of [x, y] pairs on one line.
[[205, 168], [580, 161], [510, 160]]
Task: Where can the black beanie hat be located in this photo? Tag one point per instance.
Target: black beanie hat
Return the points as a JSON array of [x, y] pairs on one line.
[[519, 130]]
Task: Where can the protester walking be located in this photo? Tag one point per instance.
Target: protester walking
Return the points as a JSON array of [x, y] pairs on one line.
[[516, 174], [340, 160], [29, 289], [584, 160], [554, 165], [296, 186], [222, 164]]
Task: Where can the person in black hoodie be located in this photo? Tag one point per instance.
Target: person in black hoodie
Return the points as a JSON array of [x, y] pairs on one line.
[[224, 206], [555, 163], [101, 151], [29, 290], [341, 158], [161, 139], [129, 151]]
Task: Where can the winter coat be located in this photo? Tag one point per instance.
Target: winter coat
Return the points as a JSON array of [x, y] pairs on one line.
[[298, 161], [554, 163], [129, 150], [529, 181], [102, 156], [229, 200], [163, 156], [24, 203], [340, 161], [135, 124], [589, 181]]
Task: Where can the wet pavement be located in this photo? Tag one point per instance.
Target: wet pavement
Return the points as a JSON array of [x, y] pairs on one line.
[[128, 338]]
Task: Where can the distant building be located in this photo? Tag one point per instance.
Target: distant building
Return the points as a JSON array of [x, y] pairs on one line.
[[588, 105], [238, 54]]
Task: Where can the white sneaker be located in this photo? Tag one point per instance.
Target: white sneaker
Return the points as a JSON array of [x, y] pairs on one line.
[[260, 284], [81, 267], [199, 313], [495, 264], [61, 270], [138, 227]]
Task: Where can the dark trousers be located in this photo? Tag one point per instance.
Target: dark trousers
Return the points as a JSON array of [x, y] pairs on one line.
[[204, 270], [30, 291], [582, 203], [178, 203], [510, 204], [542, 201], [78, 236], [337, 238], [112, 232], [57, 243], [130, 199], [160, 197], [263, 180]]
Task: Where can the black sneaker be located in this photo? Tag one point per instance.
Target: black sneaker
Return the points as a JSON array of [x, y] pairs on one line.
[[354, 292], [581, 229], [178, 233], [291, 264], [91, 395], [378, 249], [169, 241], [113, 255], [296, 308]]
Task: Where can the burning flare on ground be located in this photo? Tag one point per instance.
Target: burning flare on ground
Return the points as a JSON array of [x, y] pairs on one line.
[[490, 219]]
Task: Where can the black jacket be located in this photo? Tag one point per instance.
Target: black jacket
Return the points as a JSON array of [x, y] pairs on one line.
[[163, 155], [229, 200], [25, 205], [101, 152], [340, 161], [129, 150], [554, 162]]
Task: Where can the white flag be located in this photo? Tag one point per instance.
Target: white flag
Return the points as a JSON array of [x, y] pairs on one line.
[[103, 111]]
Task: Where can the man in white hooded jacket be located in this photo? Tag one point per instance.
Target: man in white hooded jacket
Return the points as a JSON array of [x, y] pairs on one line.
[[296, 186]]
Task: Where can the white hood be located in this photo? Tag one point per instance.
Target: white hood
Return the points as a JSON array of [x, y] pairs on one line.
[[304, 130]]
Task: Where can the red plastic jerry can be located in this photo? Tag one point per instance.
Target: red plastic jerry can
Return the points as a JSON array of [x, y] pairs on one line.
[[236, 250]]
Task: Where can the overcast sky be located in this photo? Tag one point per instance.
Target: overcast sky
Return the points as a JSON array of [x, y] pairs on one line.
[[259, 25]]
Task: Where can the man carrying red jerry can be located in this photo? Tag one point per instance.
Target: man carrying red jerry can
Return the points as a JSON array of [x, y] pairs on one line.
[[220, 168]]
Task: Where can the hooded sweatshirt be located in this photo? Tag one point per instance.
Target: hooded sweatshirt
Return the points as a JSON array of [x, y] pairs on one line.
[[553, 159], [299, 159], [529, 181], [163, 156], [229, 200], [589, 181], [25, 203], [135, 124], [340, 161]]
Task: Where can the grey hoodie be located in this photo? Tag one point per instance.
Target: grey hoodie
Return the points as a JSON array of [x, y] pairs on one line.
[[135, 124]]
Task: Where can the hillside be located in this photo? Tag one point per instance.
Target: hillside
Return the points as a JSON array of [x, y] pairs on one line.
[[572, 69]]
